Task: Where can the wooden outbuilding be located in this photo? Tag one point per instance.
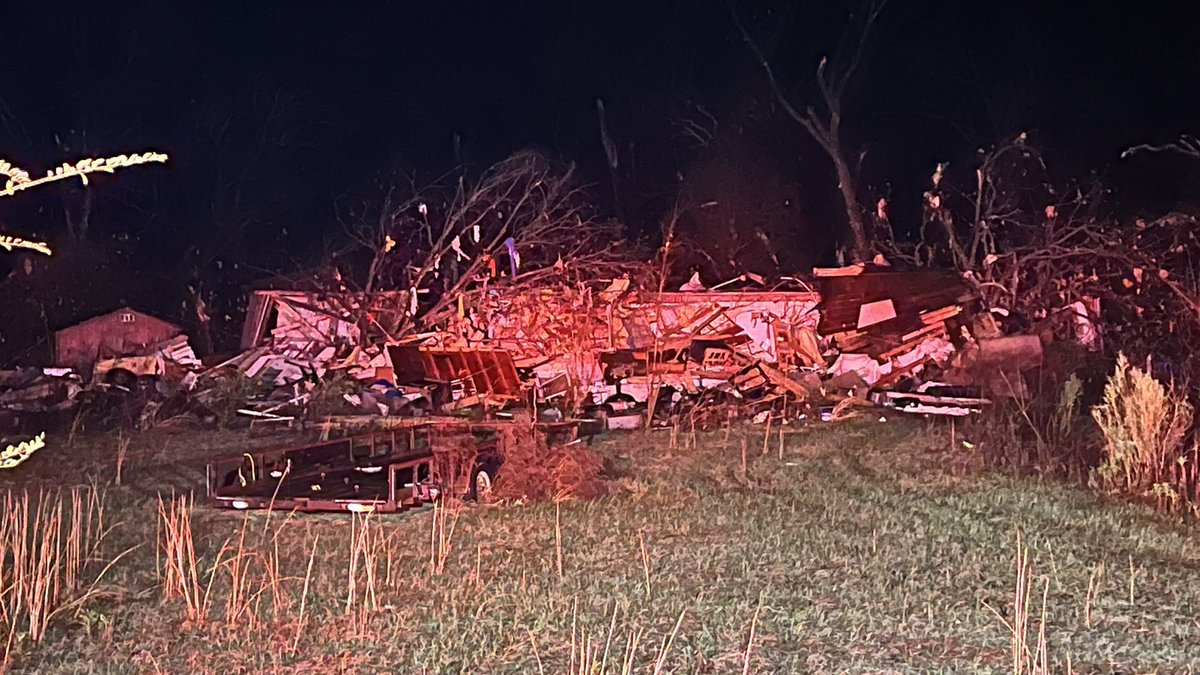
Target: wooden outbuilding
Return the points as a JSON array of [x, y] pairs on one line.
[[123, 332]]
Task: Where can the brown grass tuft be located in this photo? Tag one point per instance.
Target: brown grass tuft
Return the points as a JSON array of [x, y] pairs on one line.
[[50, 562], [1144, 424], [533, 471]]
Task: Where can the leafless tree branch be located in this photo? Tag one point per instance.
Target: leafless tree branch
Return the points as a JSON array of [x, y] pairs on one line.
[[1185, 145], [526, 221], [825, 126]]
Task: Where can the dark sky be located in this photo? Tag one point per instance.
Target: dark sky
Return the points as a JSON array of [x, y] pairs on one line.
[[355, 89]]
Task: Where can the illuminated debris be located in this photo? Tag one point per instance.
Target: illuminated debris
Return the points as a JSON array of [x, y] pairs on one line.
[[294, 338], [934, 398], [890, 324], [605, 349]]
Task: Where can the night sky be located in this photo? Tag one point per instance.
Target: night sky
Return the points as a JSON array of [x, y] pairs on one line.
[[303, 106]]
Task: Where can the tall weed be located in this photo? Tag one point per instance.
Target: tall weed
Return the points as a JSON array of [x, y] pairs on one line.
[[1045, 431], [50, 559], [1145, 424]]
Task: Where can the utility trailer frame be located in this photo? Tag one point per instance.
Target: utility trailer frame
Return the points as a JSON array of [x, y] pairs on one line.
[[384, 471]]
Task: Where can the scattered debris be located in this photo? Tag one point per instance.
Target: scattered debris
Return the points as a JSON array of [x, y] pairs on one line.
[[602, 355], [889, 324], [627, 357], [30, 393], [935, 398]]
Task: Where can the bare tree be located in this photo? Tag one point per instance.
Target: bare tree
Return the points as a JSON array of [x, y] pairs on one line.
[[612, 156], [1041, 250], [824, 124], [696, 126], [526, 221], [78, 199]]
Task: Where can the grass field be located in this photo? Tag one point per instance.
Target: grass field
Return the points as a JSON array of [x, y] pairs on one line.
[[860, 547]]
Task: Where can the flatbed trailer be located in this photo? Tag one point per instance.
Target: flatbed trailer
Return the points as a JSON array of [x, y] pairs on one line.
[[385, 471]]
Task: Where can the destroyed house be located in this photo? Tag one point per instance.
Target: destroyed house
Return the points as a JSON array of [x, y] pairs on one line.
[[294, 335], [122, 332], [313, 317], [698, 338]]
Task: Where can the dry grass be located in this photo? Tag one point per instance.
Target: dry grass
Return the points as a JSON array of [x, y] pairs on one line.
[[1144, 424], [441, 537], [535, 472], [368, 548], [179, 570], [246, 576], [857, 552], [1025, 659], [49, 559], [121, 454]]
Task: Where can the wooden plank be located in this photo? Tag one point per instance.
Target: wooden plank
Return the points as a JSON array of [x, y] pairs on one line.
[[932, 329], [848, 271], [928, 398], [940, 314]]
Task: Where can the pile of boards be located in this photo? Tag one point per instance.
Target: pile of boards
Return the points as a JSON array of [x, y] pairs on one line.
[[887, 325]]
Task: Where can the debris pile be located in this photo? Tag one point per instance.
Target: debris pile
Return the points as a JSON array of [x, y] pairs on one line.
[[28, 393], [290, 337], [627, 356], [178, 351], [294, 341], [916, 340], [605, 346], [888, 325]]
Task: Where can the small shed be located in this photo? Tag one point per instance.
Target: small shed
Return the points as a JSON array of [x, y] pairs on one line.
[[123, 332]]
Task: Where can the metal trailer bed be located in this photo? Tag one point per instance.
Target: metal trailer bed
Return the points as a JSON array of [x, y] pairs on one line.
[[383, 471]]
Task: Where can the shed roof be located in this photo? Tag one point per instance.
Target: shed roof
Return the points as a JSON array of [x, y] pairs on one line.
[[120, 310]]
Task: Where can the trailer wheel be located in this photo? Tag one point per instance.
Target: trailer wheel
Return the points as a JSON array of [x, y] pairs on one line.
[[121, 377], [481, 484], [601, 415], [622, 402]]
